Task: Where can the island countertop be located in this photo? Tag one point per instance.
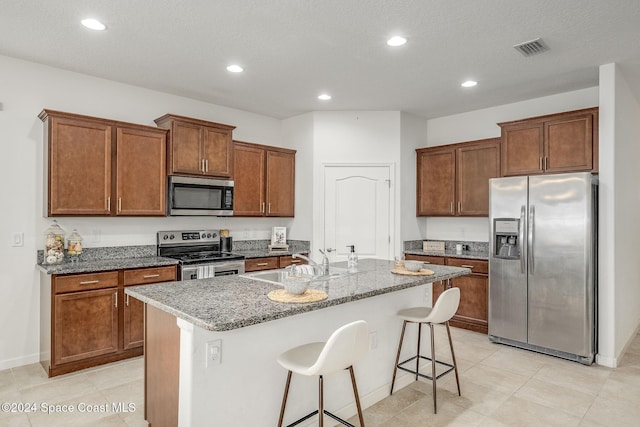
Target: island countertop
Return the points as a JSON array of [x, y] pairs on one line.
[[232, 302]]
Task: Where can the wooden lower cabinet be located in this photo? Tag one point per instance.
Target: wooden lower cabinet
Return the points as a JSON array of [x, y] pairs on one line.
[[271, 263], [87, 320], [472, 312], [85, 325]]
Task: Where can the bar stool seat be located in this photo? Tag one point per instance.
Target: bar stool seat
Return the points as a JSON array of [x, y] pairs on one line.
[[346, 346], [445, 307]]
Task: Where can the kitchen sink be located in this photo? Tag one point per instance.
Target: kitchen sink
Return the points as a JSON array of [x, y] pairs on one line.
[[279, 276]]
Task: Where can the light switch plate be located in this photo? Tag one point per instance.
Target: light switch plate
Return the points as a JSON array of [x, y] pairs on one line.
[[432, 246], [17, 239]]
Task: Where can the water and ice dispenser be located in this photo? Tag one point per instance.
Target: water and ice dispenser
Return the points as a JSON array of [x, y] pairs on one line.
[[506, 238]]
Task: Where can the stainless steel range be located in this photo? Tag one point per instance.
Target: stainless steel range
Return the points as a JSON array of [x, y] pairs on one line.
[[199, 254]]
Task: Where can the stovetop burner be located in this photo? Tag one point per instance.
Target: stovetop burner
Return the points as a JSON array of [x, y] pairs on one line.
[[193, 247]]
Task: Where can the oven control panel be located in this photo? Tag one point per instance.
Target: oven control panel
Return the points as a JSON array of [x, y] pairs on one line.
[[190, 236]]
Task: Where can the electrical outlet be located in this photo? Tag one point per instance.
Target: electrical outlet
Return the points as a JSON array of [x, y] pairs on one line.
[[213, 353], [373, 340], [18, 239]]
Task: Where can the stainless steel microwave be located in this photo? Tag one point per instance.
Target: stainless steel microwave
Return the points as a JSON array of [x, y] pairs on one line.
[[189, 196]]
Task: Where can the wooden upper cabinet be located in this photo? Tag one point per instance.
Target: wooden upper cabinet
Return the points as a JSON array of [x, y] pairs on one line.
[[564, 142], [141, 172], [103, 167], [475, 165], [78, 165], [280, 184], [453, 180], [198, 147], [249, 178], [436, 181], [264, 180]]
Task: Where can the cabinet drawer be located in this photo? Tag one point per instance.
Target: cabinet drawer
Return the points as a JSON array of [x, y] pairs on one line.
[[438, 260], [476, 266], [287, 260], [149, 275], [257, 264], [85, 282]]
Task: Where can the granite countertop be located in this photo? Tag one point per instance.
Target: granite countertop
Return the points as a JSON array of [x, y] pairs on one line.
[[452, 254], [232, 302], [88, 266]]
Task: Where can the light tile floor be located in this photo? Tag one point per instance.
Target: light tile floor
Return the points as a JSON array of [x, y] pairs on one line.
[[501, 386]]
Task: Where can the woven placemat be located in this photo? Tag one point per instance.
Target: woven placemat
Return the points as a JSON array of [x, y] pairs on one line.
[[310, 295], [422, 272]]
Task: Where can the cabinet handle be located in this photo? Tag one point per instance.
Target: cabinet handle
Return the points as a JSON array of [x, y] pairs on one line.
[[426, 262], [269, 208], [451, 208], [295, 261], [545, 162], [262, 208], [202, 165], [459, 206], [540, 167], [119, 204], [89, 282], [151, 276], [126, 301], [206, 165], [108, 203], [116, 294], [262, 264], [466, 266]]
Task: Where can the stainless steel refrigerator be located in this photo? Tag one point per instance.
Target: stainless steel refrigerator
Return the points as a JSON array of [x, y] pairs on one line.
[[543, 264]]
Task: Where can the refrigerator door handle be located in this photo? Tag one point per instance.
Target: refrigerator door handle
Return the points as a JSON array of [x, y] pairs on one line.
[[532, 215], [521, 237]]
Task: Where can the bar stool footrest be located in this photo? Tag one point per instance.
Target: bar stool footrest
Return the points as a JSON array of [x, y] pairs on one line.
[[329, 414], [411, 371]]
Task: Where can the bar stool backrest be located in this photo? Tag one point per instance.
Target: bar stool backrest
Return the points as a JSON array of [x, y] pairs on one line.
[[346, 346], [445, 307]]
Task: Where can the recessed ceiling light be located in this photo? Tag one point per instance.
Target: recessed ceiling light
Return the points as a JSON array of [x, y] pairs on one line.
[[396, 41], [235, 68], [324, 97], [93, 24], [469, 83]]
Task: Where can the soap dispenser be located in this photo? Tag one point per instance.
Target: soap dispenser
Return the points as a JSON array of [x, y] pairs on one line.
[[352, 259]]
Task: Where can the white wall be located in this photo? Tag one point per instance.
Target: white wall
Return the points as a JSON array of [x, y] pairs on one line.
[[619, 265], [413, 134], [481, 124], [25, 89]]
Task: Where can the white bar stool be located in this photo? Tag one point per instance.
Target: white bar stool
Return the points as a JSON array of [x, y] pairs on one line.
[[346, 346], [445, 307]]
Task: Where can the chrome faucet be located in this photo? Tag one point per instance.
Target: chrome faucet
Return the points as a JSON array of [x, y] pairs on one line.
[[323, 270], [317, 267]]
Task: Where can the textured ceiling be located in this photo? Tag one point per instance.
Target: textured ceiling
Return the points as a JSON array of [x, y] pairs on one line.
[[294, 49]]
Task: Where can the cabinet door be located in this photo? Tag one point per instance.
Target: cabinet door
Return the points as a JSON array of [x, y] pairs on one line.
[[287, 260], [217, 152], [436, 182], [476, 164], [569, 144], [133, 327], [186, 155], [473, 309], [79, 167], [85, 324], [141, 172], [522, 149], [280, 184], [248, 176], [258, 264]]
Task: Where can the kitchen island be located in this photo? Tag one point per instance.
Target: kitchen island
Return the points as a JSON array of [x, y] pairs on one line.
[[232, 317]]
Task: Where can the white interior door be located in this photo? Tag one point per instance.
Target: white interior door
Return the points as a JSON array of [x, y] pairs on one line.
[[357, 206]]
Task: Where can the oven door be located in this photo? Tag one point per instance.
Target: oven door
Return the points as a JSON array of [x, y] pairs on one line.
[[189, 196], [215, 269]]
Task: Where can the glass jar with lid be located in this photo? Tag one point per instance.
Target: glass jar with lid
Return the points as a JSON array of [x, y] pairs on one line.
[[74, 245], [54, 244]]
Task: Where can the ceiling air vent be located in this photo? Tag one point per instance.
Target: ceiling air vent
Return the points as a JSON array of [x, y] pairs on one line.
[[532, 47]]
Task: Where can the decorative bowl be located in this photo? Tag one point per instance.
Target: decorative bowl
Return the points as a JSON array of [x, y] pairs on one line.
[[296, 285], [413, 265]]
